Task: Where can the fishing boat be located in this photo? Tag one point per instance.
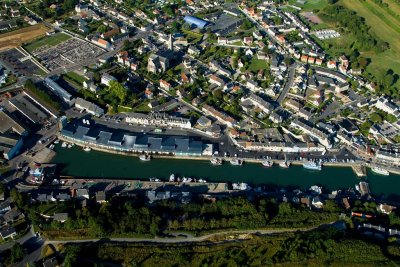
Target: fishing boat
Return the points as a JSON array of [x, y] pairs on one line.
[[380, 171], [87, 149], [216, 161], [172, 178], [311, 165], [284, 164], [145, 157], [236, 162], [267, 164]]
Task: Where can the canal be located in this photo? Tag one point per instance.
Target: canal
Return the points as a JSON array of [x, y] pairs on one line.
[[94, 164]]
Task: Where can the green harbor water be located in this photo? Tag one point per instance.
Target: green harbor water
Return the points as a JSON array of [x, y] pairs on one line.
[[78, 163]]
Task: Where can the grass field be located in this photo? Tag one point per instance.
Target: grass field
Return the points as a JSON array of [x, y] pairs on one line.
[[47, 40], [386, 27], [310, 4], [17, 38], [257, 64]]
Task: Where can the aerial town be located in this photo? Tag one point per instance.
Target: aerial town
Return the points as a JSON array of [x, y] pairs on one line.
[[235, 84]]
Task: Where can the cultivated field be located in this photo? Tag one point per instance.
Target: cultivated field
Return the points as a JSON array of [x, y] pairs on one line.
[[310, 4], [17, 38], [47, 41], [386, 26]]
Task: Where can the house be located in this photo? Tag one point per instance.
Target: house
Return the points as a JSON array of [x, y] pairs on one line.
[[248, 40], [331, 64], [317, 202], [386, 209], [7, 232], [89, 107], [82, 193], [165, 85], [106, 79], [101, 197], [216, 80], [60, 217]]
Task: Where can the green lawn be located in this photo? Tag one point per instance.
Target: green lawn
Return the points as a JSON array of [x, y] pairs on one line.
[[76, 77], [257, 64], [310, 4], [47, 40]]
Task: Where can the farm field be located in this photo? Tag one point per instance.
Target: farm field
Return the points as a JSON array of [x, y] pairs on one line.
[[47, 41], [17, 38], [386, 27]]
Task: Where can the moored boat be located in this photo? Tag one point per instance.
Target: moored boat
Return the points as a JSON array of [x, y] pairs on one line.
[[154, 180], [380, 171], [267, 164], [236, 162], [87, 149], [64, 144], [311, 165], [172, 178], [284, 164], [241, 186], [216, 161], [145, 157]]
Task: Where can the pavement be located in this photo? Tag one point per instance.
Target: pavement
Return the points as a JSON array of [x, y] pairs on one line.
[[289, 83]]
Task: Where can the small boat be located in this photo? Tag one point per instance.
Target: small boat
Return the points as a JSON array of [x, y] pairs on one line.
[[380, 171], [145, 157], [87, 149], [69, 146], [51, 146], [172, 178], [186, 180], [311, 165], [284, 164], [267, 163], [236, 162], [202, 181], [216, 161], [316, 189], [57, 141], [154, 180], [64, 144], [241, 186]]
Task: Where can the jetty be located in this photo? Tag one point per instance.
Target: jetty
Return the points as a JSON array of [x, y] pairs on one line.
[[359, 170]]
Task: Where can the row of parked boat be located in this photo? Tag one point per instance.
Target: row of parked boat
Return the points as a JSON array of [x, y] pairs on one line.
[[239, 162]]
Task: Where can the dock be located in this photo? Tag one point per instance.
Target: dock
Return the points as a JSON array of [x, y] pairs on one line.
[[359, 170], [364, 189]]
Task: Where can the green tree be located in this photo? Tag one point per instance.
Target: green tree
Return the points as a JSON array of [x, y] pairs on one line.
[[17, 253], [118, 90]]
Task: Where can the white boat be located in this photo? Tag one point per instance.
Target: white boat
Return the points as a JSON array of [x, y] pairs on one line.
[[69, 146], [57, 141], [51, 146], [267, 163], [311, 165], [236, 162], [64, 144], [284, 164], [316, 189], [186, 180], [380, 171], [172, 178], [145, 157], [216, 161], [241, 186], [202, 181], [87, 149], [154, 180]]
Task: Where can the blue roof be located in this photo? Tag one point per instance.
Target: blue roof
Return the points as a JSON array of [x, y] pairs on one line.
[[195, 21]]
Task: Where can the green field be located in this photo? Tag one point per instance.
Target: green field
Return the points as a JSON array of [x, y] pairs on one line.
[[76, 77], [310, 4], [387, 28], [257, 64], [48, 41]]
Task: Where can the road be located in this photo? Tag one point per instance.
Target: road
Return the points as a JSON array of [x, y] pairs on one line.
[[288, 84]]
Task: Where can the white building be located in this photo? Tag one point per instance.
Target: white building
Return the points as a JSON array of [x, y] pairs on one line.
[[106, 79], [158, 119]]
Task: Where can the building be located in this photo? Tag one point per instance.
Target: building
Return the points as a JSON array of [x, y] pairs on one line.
[[194, 21], [10, 145], [8, 123], [158, 119], [221, 116], [106, 79], [58, 90], [105, 138], [89, 107], [316, 134], [157, 64], [101, 42]]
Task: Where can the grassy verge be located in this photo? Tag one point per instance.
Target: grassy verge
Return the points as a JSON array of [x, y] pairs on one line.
[[47, 41]]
